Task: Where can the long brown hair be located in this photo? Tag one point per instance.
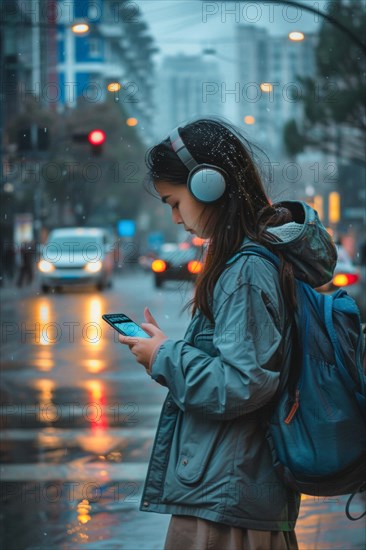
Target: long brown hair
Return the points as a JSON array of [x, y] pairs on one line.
[[243, 210]]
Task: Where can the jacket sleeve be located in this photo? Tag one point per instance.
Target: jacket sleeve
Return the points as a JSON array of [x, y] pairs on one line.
[[241, 377]]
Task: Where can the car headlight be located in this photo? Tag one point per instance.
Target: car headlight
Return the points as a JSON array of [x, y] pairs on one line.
[[45, 266], [93, 267]]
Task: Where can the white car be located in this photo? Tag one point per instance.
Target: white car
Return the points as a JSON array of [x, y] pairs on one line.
[[77, 255]]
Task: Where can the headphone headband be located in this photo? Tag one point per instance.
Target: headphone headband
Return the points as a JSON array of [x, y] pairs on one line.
[[181, 150]]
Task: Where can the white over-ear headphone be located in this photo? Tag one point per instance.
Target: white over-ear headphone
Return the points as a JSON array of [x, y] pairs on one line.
[[206, 182]]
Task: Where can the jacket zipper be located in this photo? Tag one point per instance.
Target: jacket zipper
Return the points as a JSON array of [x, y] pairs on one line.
[[293, 409]]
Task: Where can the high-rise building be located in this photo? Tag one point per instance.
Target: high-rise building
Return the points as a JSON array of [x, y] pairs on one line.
[[28, 37], [27, 43], [186, 88], [270, 93], [118, 50]]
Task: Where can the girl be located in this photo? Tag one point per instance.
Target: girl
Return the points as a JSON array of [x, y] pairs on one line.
[[211, 465]]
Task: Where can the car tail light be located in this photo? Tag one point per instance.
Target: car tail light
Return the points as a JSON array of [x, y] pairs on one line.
[[194, 266], [158, 266], [197, 241], [345, 279]]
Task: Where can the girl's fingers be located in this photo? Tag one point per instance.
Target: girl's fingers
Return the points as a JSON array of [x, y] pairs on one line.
[[149, 318], [151, 329], [127, 340]]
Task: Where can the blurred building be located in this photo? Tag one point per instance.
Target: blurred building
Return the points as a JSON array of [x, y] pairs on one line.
[[27, 68], [268, 89], [46, 66], [187, 87], [28, 45], [114, 57]]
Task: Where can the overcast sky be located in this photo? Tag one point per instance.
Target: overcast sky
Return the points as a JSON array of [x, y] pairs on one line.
[[190, 25]]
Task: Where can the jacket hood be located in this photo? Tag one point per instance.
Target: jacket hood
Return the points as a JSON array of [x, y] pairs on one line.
[[306, 244]]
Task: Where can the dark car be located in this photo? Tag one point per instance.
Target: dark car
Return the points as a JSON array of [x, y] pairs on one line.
[[347, 276], [177, 263]]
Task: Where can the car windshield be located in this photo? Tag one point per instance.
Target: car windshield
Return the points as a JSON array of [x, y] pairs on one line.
[[344, 261], [179, 256], [76, 244], [343, 256]]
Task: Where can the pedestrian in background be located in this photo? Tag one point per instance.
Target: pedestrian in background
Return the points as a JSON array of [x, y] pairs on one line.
[[9, 261], [211, 466], [26, 265]]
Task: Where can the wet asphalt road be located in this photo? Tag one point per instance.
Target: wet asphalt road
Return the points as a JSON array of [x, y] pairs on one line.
[[78, 421]]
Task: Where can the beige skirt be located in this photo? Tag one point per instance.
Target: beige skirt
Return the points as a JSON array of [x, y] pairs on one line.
[[191, 533]]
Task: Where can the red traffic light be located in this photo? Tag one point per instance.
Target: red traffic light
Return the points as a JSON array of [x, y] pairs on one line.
[[96, 137]]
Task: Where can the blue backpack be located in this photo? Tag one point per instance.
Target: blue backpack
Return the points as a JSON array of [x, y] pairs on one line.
[[317, 425]]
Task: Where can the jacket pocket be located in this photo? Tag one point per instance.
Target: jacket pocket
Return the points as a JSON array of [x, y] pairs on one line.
[[198, 448]]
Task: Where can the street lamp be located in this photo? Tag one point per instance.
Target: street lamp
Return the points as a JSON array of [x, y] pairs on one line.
[[132, 121], [114, 87], [296, 36], [266, 87], [249, 119], [80, 28], [306, 7]]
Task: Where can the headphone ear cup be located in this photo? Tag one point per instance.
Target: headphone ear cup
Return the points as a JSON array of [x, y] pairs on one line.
[[206, 184]]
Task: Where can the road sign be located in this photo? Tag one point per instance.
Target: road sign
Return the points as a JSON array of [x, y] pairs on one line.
[[126, 228]]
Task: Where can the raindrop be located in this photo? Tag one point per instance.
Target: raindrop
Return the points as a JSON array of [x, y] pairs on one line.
[[54, 199], [45, 130], [167, 316]]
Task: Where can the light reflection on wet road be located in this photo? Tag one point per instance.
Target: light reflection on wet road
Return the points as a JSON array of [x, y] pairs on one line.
[[79, 417]]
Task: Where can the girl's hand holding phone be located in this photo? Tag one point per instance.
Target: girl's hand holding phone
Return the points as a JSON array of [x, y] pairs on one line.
[[144, 348]]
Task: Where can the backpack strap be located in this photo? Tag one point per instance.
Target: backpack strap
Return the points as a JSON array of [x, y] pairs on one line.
[[347, 379], [254, 249], [348, 505]]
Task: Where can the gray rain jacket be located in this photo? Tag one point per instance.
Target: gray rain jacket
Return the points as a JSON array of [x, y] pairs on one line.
[[210, 457]]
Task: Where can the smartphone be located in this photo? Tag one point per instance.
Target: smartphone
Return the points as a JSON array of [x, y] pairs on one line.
[[124, 325]]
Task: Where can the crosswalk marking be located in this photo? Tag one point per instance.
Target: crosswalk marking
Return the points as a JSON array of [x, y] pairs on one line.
[[70, 435], [99, 472]]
